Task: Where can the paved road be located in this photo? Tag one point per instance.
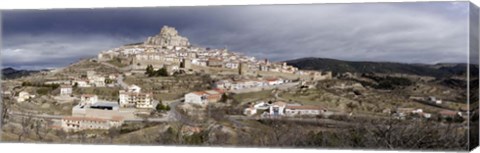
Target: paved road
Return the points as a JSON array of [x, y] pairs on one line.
[[173, 114]]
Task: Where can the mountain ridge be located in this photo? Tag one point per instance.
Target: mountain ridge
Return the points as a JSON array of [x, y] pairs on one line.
[[342, 66]]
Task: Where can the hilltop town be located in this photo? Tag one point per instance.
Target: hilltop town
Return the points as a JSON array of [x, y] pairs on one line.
[[167, 91]]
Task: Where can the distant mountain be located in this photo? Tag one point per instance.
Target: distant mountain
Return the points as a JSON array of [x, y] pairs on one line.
[[339, 66], [11, 73]]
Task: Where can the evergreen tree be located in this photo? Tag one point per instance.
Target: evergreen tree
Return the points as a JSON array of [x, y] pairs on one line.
[[224, 97], [160, 107], [149, 70], [161, 72]]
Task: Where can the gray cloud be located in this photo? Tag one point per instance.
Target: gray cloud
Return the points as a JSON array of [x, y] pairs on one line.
[[399, 32], [53, 50]]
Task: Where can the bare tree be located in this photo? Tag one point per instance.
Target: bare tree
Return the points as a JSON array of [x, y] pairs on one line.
[[113, 133], [82, 135], [25, 128], [41, 129], [173, 134], [5, 106], [62, 135]]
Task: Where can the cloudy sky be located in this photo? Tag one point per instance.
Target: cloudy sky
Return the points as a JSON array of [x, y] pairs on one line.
[[428, 32]]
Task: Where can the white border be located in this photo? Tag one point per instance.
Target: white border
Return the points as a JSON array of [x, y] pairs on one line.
[[63, 148], [49, 4]]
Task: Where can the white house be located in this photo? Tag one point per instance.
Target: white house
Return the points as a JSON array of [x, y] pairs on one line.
[[250, 111], [23, 96], [87, 99], [434, 100], [65, 90], [204, 97], [98, 81], [134, 88], [90, 75], [274, 81], [277, 108], [304, 110], [198, 97], [82, 83], [133, 97], [231, 65]]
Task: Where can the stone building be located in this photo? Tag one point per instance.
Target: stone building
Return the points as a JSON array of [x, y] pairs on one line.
[[65, 89], [134, 98], [168, 37], [89, 123]]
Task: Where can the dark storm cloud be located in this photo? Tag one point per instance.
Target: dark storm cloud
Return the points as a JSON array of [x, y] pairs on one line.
[[401, 32]]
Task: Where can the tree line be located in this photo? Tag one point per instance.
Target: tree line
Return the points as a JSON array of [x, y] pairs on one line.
[[151, 72]]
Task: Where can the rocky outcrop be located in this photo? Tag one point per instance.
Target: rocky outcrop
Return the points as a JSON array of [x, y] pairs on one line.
[[168, 37]]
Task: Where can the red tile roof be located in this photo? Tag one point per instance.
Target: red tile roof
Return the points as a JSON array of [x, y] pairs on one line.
[[448, 112], [74, 118]]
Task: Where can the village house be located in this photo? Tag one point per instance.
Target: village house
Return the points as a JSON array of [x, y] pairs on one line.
[[303, 110], [104, 110], [133, 97], [250, 111], [57, 82], [204, 97], [247, 83], [402, 113], [89, 123], [198, 97], [65, 90], [434, 100], [215, 62], [231, 65], [274, 81], [282, 109], [82, 83], [277, 108], [98, 81], [449, 114], [88, 99], [24, 96]]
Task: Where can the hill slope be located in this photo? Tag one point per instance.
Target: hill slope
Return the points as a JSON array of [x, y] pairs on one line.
[[339, 66], [11, 73]]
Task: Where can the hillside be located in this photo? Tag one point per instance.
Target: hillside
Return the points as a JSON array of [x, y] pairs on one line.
[[339, 66], [11, 73]]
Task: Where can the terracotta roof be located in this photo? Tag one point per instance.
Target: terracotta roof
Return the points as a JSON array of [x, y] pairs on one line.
[[200, 93], [55, 127], [271, 79], [117, 118], [212, 92], [279, 103], [448, 112], [221, 91], [74, 118]]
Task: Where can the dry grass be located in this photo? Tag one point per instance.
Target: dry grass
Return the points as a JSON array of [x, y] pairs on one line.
[[253, 96]]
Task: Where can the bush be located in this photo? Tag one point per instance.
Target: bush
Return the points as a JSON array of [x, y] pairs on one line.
[[150, 72]]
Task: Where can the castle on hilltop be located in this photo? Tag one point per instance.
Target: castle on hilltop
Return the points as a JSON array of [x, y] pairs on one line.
[[175, 53], [168, 36]]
